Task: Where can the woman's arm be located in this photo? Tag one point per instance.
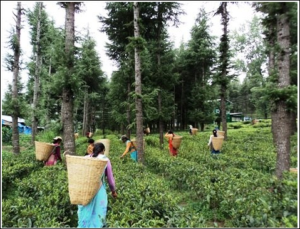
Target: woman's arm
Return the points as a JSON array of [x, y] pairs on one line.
[[127, 149], [169, 136], [110, 176], [210, 139]]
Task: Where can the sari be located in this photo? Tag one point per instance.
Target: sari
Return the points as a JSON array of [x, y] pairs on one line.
[[93, 215], [52, 160], [129, 148], [173, 151]]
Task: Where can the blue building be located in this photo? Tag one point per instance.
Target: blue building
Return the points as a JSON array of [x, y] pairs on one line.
[[23, 129]]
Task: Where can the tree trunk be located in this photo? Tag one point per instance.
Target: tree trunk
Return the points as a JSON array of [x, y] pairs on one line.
[[138, 88], [38, 66], [224, 59], [128, 112], [160, 121], [67, 95], [281, 116], [85, 113], [223, 112], [181, 106], [16, 65], [47, 118], [159, 27], [293, 123], [271, 70]]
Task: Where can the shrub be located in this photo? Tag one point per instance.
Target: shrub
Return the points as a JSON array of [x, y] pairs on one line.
[[6, 135]]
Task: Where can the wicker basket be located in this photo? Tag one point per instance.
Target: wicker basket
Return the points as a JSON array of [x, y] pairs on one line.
[[147, 130], [294, 170], [43, 150], [176, 141], [217, 142], [220, 133], [76, 135], [84, 176], [106, 143], [135, 144], [194, 131]]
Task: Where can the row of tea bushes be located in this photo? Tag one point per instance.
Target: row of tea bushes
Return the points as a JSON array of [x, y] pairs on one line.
[[237, 186], [40, 197], [193, 190]]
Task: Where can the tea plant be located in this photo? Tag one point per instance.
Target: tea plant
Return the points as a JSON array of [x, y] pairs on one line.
[[234, 189]]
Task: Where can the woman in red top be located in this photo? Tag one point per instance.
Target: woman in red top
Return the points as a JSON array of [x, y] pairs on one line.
[[169, 135]]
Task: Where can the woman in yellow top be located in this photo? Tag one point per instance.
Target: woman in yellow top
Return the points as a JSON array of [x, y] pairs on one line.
[[129, 148]]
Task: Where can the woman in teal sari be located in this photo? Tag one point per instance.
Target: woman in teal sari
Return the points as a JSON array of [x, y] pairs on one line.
[[129, 148], [93, 214]]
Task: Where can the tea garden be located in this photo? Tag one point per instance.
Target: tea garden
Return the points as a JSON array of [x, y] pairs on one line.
[[234, 189]]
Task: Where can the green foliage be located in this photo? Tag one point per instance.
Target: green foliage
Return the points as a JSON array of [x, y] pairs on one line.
[[6, 134], [235, 125], [236, 189], [138, 43], [287, 94]]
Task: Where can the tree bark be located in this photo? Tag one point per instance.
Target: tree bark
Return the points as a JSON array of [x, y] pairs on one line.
[[16, 66], [38, 66], [128, 112], [225, 19], [85, 113], [67, 95], [281, 115], [158, 55], [138, 87]]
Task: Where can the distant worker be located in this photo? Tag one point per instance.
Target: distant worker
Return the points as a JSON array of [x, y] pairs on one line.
[[213, 151], [190, 130], [55, 156], [129, 148], [146, 130], [90, 147], [169, 135]]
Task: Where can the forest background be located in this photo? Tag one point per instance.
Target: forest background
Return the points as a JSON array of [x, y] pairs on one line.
[[240, 14]]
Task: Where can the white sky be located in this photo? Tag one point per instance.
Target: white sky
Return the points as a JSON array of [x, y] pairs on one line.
[[240, 13]]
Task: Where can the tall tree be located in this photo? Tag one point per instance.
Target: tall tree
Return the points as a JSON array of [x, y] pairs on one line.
[[68, 87], [250, 52], [138, 84], [282, 94], [16, 47], [200, 59], [88, 67], [223, 78], [281, 115], [38, 66], [166, 11]]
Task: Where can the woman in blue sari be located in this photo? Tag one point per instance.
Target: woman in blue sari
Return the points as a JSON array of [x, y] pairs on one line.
[[93, 214], [129, 148], [215, 134]]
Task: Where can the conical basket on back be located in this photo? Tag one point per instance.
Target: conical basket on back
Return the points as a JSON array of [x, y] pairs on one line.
[[194, 131], [135, 143], [106, 143], [147, 130], [84, 174], [217, 142], [43, 150], [176, 141], [294, 170], [220, 133]]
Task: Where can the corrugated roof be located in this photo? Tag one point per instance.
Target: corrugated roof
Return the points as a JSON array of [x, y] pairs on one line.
[[9, 119]]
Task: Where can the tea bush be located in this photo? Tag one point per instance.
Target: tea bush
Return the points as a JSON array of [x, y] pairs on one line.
[[6, 135], [234, 189]]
